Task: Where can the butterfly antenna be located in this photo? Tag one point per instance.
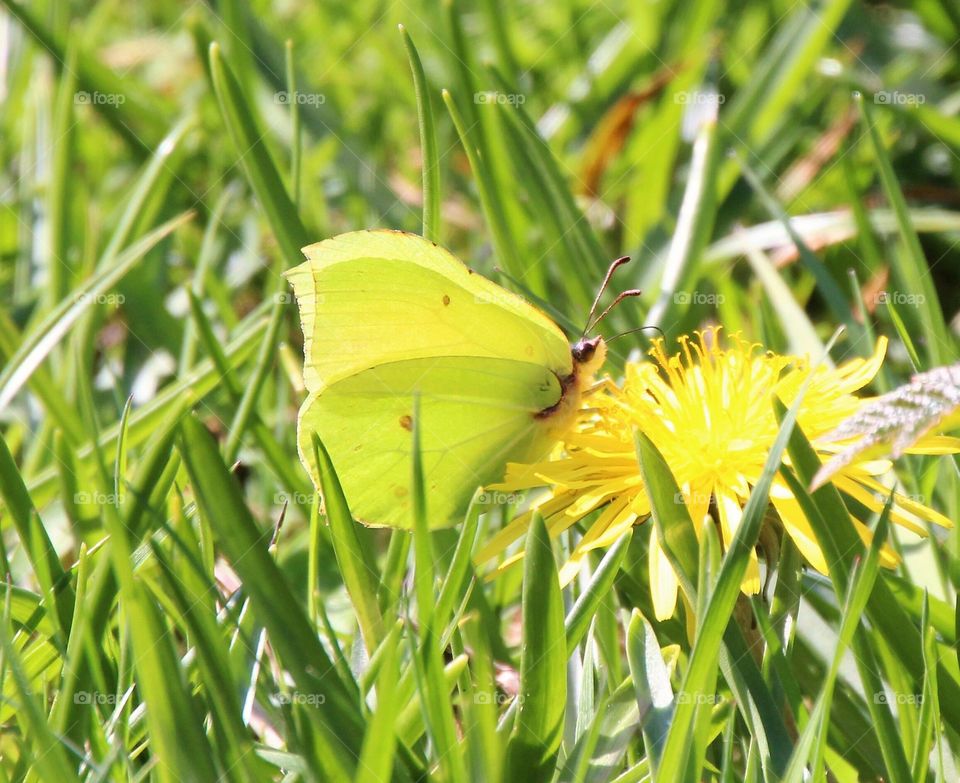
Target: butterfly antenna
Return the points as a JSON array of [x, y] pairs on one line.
[[603, 287], [638, 329], [620, 297]]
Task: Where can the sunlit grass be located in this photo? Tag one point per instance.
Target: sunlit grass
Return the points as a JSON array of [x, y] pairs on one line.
[[178, 609]]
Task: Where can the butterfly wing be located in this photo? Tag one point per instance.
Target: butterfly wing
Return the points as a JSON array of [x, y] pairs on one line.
[[389, 316], [368, 298], [476, 413]]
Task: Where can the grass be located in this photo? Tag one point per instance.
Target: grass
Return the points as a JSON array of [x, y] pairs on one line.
[[175, 605]]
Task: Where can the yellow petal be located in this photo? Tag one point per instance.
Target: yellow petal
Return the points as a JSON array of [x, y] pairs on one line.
[[857, 490], [730, 516], [499, 542], [935, 444], [663, 581], [798, 528]]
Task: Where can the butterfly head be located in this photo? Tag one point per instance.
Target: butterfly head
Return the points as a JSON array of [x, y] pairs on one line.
[[589, 354]]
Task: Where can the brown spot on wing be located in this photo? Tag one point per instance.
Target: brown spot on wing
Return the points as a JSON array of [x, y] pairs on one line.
[[406, 422], [446, 300]]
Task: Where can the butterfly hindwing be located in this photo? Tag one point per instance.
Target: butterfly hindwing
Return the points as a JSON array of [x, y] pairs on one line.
[[475, 414]]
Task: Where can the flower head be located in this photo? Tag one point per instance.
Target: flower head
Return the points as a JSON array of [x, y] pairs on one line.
[[709, 411]]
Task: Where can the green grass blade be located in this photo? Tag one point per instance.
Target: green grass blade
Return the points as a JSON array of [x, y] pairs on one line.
[[358, 568], [651, 682], [380, 738], [428, 142], [43, 556], [47, 754], [581, 614], [270, 595], [535, 740], [911, 269], [256, 161]]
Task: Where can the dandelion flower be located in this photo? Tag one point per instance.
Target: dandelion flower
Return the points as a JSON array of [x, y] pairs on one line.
[[709, 411]]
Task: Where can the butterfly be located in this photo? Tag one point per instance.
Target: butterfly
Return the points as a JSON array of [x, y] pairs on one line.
[[389, 316]]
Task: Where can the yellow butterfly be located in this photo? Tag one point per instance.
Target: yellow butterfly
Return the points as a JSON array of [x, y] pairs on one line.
[[388, 316]]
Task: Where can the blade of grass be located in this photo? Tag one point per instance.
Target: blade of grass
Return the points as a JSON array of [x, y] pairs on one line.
[[358, 569], [581, 614], [651, 682], [48, 756], [428, 661], [380, 738], [503, 241], [535, 740], [255, 159], [428, 142], [131, 110], [912, 270], [175, 722], [48, 571], [811, 746], [338, 720], [694, 224]]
